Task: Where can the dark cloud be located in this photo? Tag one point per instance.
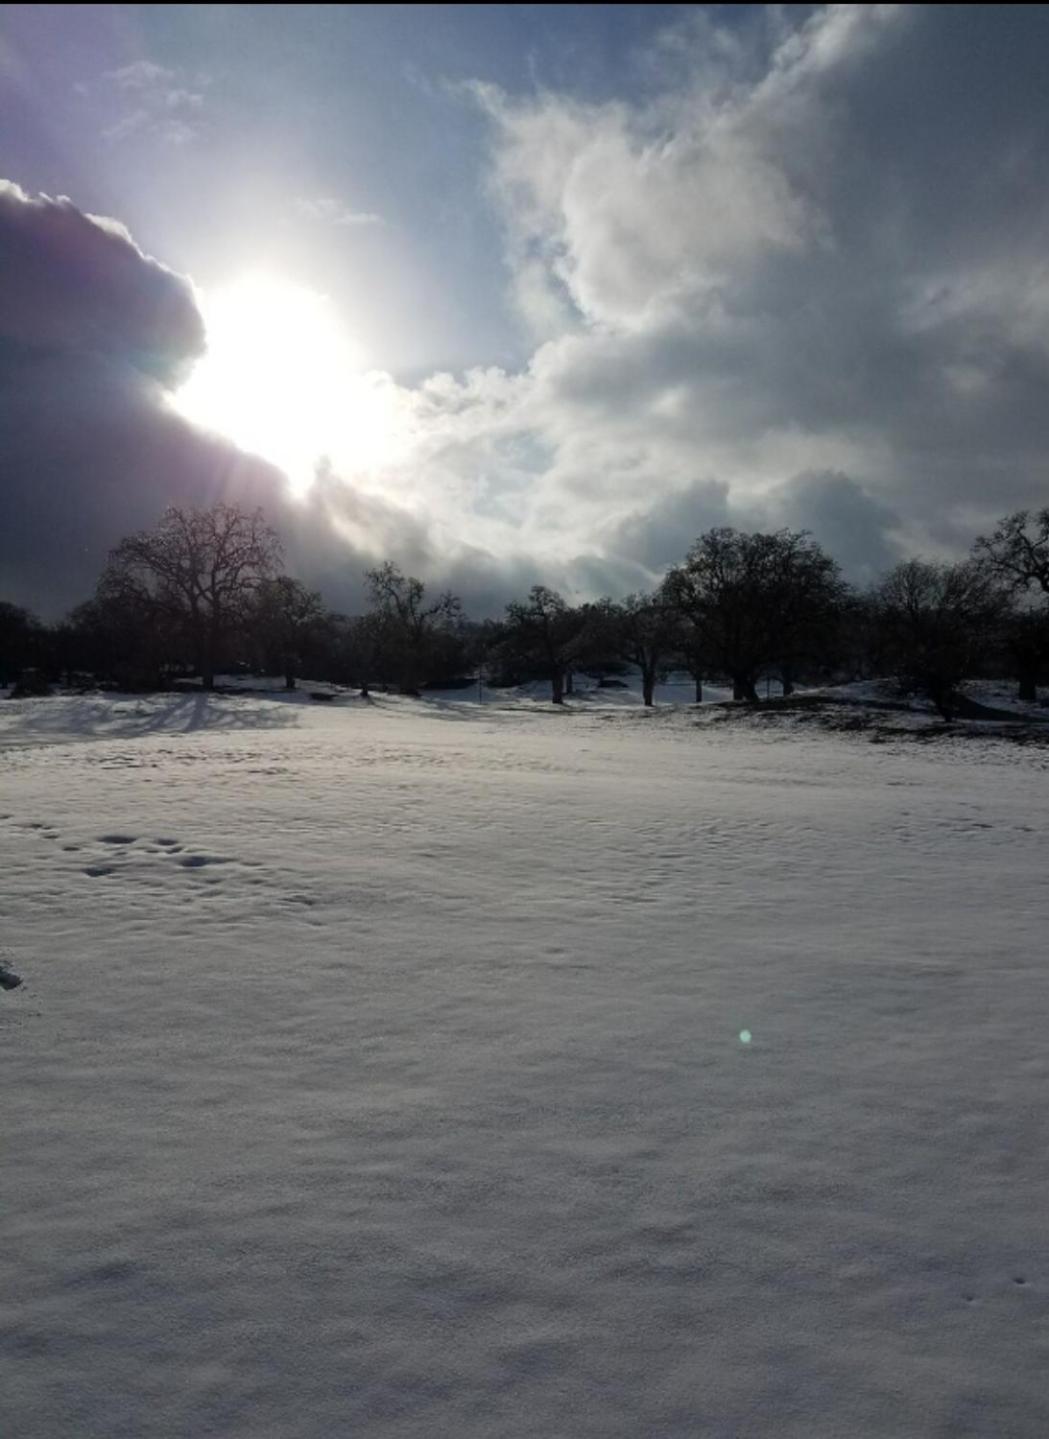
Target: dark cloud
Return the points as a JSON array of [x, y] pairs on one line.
[[857, 528], [659, 536], [93, 334], [852, 525], [76, 285]]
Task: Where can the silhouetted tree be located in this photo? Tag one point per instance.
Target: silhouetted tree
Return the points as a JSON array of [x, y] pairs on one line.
[[755, 601], [22, 642], [644, 630], [115, 638], [419, 637], [938, 625], [1025, 641], [371, 647], [287, 620], [199, 569], [1018, 554], [545, 632]]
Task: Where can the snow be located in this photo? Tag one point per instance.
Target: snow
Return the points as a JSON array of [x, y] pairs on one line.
[[379, 1068]]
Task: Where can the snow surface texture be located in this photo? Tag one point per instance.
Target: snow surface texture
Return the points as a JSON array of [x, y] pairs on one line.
[[377, 1070]]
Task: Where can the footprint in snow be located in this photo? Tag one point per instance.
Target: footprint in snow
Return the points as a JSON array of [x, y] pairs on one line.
[[8, 978]]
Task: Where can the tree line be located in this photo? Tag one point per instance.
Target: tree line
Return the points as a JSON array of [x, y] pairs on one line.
[[203, 593]]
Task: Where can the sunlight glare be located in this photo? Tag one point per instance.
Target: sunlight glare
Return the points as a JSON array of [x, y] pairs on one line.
[[283, 380]]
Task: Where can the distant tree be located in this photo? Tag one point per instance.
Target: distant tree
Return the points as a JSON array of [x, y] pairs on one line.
[[287, 619], [755, 601], [807, 598], [22, 641], [370, 648], [1017, 553], [858, 651], [1018, 550], [114, 637], [199, 570], [691, 655], [418, 636], [938, 625], [544, 632], [1025, 641], [644, 630]]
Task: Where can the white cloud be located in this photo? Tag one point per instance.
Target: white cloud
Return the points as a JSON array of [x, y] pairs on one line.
[[327, 210], [140, 75], [166, 106], [745, 282]]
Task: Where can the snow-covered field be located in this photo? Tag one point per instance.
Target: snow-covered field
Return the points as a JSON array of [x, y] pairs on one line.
[[381, 1070]]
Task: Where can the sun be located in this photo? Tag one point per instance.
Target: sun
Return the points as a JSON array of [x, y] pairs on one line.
[[282, 379]]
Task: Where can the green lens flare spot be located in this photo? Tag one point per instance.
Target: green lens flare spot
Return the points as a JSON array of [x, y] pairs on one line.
[[745, 1036]]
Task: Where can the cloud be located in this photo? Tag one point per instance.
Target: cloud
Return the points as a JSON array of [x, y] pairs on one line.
[[165, 104], [326, 210], [797, 278], [859, 530], [814, 253], [94, 336], [140, 75], [77, 285]]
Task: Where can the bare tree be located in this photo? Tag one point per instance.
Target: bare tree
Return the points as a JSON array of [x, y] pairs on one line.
[[115, 637], [416, 632], [287, 617], [21, 641], [545, 631], [1018, 550], [938, 624], [644, 630], [754, 601], [199, 568], [368, 648], [1018, 554]]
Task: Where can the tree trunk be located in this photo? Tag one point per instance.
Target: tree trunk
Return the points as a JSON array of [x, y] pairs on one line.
[[648, 684], [743, 689], [943, 697], [200, 655], [557, 684], [786, 675], [289, 680], [699, 690], [365, 691], [569, 682]]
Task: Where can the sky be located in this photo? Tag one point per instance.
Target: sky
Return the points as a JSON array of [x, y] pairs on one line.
[[510, 294]]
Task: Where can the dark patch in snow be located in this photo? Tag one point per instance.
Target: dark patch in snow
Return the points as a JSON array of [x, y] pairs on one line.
[[8, 978]]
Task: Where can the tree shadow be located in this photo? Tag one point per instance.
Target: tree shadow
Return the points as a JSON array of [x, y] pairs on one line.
[[130, 717]]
